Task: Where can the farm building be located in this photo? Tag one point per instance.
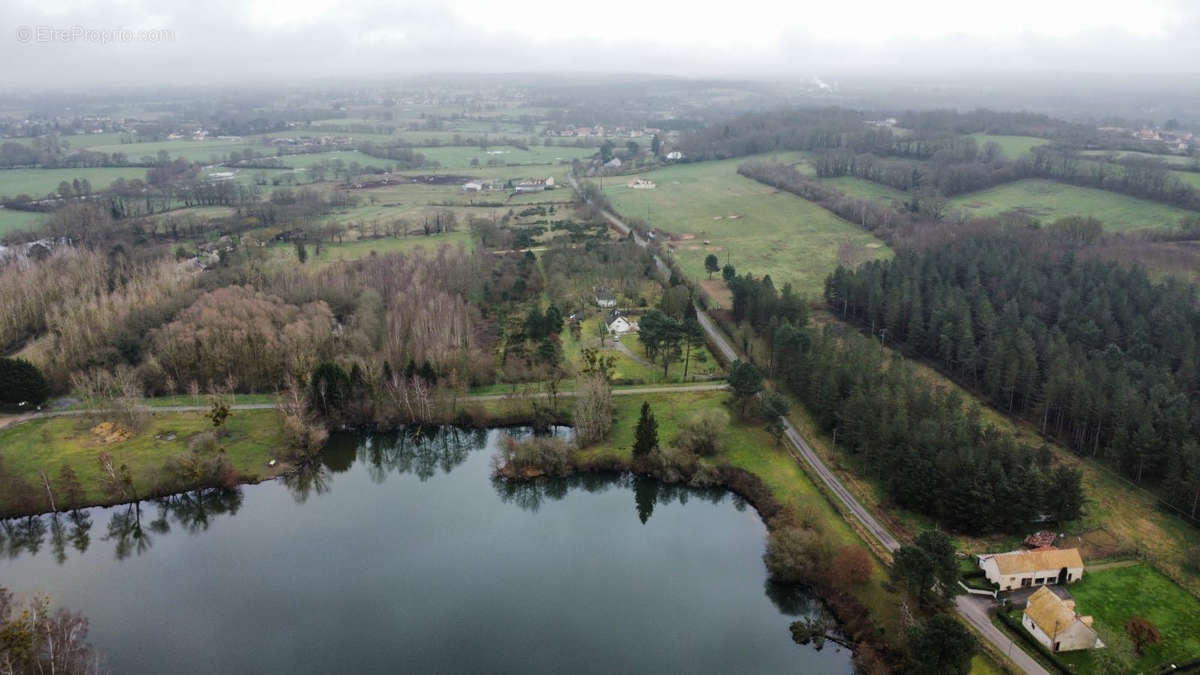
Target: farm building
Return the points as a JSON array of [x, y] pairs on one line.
[[473, 186], [674, 155], [614, 163], [535, 185], [1056, 624], [640, 183], [618, 324], [1041, 566]]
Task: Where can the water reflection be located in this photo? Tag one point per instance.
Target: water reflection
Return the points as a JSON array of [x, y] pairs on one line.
[[131, 529], [427, 557], [419, 451], [647, 492]]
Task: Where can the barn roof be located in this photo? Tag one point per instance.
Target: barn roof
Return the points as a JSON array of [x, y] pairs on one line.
[[1018, 562]]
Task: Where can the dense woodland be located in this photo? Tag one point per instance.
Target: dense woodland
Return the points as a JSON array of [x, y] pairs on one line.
[[927, 447], [1094, 353]]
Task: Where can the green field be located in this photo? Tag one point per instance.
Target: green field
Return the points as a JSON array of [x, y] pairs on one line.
[[1176, 160], [41, 182], [1048, 201], [755, 227], [76, 140], [1014, 146], [865, 189], [19, 220], [192, 151], [1112, 596], [459, 157], [1189, 177], [252, 438]]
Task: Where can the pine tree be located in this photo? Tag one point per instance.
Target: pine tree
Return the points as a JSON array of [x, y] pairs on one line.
[[645, 436]]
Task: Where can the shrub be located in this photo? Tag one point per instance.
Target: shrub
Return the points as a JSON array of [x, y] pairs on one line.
[[851, 566], [21, 382], [795, 555], [701, 433], [550, 455]]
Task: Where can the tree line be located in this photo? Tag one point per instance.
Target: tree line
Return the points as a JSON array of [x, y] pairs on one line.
[[930, 450], [1096, 354]]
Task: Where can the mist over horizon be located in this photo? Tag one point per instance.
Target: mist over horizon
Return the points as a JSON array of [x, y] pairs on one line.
[[93, 45]]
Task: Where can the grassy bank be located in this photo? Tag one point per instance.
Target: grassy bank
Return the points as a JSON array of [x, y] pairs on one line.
[[250, 439]]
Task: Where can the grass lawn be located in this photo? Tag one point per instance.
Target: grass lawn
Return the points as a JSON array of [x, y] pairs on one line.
[[1048, 201], [1014, 146], [1112, 596], [252, 438], [19, 220], [982, 665], [40, 182], [630, 370], [755, 227]]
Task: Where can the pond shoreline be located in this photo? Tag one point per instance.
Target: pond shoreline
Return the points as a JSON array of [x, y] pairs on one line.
[[851, 616]]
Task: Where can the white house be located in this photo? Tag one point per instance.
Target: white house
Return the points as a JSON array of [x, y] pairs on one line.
[[1022, 569], [618, 324], [1056, 624], [472, 186], [640, 183], [614, 163], [674, 155]]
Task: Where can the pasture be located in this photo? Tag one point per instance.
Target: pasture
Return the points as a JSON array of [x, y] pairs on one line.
[[1049, 200], [41, 182], [1013, 146], [19, 220], [192, 151], [1173, 160], [865, 189], [460, 157], [756, 228]]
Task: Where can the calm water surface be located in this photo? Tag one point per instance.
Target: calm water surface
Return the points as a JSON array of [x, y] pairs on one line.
[[400, 554]]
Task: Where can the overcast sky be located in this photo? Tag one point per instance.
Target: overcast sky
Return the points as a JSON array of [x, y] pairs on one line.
[[245, 40]]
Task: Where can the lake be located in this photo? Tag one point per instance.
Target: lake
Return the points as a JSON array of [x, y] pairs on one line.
[[401, 554]]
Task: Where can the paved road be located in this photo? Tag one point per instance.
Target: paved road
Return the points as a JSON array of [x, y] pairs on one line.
[[973, 609]]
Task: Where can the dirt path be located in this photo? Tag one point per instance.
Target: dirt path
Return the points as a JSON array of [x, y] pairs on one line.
[[624, 349], [626, 391]]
